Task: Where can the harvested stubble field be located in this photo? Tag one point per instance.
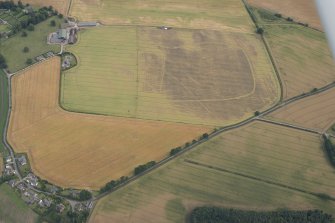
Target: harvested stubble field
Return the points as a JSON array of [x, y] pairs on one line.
[[79, 150], [209, 14], [245, 168], [60, 5], [303, 57], [180, 75], [13, 209], [304, 11], [316, 112]]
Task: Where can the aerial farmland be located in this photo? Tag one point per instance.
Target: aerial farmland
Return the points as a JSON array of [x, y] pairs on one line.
[[259, 166], [143, 76], [166, 111]]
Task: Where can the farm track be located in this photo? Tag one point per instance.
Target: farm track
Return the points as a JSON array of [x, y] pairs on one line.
[[289, 126], [254, 178]]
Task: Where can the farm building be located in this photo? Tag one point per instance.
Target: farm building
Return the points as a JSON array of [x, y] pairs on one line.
[[73, 36], [62, 34], [28, 10], [22, 160], [87, 24]]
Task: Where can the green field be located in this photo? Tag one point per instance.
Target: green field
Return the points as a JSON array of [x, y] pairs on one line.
[[209, 14], [3, 28], [3, 107], [259, 167], [36, 41], [178, 75], [13, 209]]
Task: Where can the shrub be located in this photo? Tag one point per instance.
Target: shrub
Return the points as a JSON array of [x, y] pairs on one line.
[[85, 195], [52, 23], [25, 49], [260, 31], [31, 27], [144, 167], [175, 151], [3, 63], [289, 19], [24, 34], [29, 61]]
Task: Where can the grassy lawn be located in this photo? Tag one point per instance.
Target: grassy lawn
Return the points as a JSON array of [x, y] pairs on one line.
[[36, 41], [13, 209], [245, 168], [3, 107], [3, 28]]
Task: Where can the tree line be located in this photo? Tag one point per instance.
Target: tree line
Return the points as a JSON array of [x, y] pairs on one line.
[[3, 62], [223, 215], [33, 16], [330, 150]]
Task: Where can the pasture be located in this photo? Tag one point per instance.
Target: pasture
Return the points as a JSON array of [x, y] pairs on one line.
[[36, 41], [60, 5], [79, 150], [316, 112], [3, 107], [13, 209], [200, 14], [303, 11], [1, 164], [257, 167], [302, 56], [179, 75]]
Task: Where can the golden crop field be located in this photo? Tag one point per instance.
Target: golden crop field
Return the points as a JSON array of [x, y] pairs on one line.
[[209, 14], [257, 167], [79, 150], [317, 112], [300, 10], [303, 58], [180, 75], [60, 5]]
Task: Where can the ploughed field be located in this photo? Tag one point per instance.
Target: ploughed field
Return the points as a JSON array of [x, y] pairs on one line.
[[304, 11], [79, 150], [257, 167], [180, 75], [209, 14]]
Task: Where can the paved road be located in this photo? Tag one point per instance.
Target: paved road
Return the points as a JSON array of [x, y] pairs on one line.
[[4, 136]]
